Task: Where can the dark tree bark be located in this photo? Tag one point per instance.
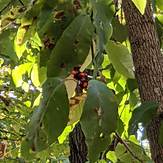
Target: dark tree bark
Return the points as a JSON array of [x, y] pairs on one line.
[[78, 147], [149, 74]]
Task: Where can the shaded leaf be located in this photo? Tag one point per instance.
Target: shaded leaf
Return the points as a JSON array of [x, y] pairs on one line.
[[142, 114], [99, 118], [50, 119], [76, 40]]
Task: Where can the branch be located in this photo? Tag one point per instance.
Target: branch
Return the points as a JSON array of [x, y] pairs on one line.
[[21, 2], [127, 147]]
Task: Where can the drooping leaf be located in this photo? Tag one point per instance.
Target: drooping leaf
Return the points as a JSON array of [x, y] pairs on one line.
[[119, 30], [103, 13], [120, 58], [142, 114], [99, 118], [76, 40], [50, 119], [141, 5], [56, 117]]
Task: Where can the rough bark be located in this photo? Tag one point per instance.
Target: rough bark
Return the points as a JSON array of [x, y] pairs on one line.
[[78, 148], [149, 74]]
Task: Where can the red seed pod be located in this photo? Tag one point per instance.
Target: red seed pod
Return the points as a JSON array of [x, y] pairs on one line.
[[82, 74], [85, 84], [73, 72]]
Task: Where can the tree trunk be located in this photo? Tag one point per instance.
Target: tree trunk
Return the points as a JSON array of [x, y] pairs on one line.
[[149, 74], [78, 148]]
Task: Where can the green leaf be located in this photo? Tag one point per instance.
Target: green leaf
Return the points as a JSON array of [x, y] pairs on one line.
[[141, 5], [50, 119], [125, 156], [159, 4], [120, 58], [7, 44], [142, 114], [35, 75], [111, 156], [132, 84], [76, 40], [99, 118], [56, 117], [19, 71], [103, 13]]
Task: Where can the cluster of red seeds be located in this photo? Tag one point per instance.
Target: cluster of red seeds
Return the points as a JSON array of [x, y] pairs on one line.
[[81, 77]]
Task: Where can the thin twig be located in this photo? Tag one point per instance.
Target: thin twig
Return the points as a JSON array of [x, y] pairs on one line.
[[21, 2], [127, 147]]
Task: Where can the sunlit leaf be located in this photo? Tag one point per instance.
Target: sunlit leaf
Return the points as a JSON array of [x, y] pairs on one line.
[[120, 58], [141, 5], [35, 75]]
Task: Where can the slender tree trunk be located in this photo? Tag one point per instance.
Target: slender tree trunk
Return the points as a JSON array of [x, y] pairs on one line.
[[78, 148], [149, 74]]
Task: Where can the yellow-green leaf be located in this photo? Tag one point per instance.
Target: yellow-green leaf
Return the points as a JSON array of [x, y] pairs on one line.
[[35, 75], [141, 5]]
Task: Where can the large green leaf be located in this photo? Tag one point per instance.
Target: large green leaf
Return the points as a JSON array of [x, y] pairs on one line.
[[142, 114], [120, 58], [141, 5], [72, 48], [103, 13], [50, 119], [99, 118]]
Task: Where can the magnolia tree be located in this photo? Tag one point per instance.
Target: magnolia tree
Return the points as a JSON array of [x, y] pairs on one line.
[[81, 81]]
